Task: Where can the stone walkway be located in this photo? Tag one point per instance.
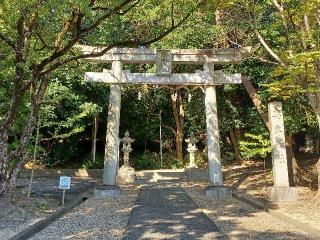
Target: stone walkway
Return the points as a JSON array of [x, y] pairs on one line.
[[165, 211]]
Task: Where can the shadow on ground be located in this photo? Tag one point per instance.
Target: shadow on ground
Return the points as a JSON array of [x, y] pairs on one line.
[[165, 211]]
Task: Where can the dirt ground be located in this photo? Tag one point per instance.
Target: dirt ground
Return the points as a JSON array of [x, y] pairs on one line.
[[251, 177]]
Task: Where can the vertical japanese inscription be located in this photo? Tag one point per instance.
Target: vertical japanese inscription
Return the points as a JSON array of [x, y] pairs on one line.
[[279, 156]]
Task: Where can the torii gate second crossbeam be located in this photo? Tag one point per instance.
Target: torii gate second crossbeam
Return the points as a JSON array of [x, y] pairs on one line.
[[163, 59], [199, 78]]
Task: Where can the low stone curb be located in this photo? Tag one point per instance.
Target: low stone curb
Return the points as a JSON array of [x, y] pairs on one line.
[[54, 173], [189, 174], [264, 207], [37, 227]]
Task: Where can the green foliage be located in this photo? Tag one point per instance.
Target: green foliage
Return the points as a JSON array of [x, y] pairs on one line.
[[255, 145], [227, 153], [63, 151], [147, 161], [88, 163], [152, 160], [201, 159], [64, 114]]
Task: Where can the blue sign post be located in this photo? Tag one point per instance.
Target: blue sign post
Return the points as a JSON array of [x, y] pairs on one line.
[[64, 184]]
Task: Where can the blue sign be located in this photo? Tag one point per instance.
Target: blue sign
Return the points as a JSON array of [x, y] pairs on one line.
[[64, 182]]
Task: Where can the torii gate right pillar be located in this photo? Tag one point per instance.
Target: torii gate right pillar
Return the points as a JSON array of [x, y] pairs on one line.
[[214, 160]]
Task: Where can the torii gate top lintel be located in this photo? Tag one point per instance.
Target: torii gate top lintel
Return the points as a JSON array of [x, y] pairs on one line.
[[180, 56]]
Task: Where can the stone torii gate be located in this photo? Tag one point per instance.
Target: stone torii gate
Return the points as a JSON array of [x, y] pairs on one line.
[[209, 78]]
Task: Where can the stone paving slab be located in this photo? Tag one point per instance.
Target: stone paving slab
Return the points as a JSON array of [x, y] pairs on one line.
[[165, 211]]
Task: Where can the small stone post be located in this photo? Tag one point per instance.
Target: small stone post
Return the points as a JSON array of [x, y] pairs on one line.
[[216, 188], [280, 192], [192, 149], [126, 172]]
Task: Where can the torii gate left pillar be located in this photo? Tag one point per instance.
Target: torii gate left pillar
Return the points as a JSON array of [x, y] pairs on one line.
[[111, 161], [111, 148]]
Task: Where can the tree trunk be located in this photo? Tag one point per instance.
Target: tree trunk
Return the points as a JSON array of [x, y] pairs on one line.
[[179, 144], [33, 162], [178, 113], [4, 160], [5, 203], [94, 138], [10, 175], [314, 98], [256, 100], [5, 195], [235, 145], [145, 145], [292, 162], [318, 117], [317, 146], [318, 194]]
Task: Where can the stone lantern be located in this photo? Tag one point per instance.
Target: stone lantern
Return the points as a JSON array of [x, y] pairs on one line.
[[126, 172], [126, 148], [192, 150]]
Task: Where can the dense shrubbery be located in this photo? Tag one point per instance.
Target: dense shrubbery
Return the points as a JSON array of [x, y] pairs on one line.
[[255, 145], [152, 160], [88, 163]]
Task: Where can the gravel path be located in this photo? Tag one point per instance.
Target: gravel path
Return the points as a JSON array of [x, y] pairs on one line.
[[93, 219], [241, 221], [304, 210], [165, 211], [45, 200]]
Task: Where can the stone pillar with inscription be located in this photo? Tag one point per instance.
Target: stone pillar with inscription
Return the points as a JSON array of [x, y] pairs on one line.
[[281, 191], [215, 188]]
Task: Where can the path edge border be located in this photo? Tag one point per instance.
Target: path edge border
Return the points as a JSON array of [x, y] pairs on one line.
[[37, 227], [264, 207]]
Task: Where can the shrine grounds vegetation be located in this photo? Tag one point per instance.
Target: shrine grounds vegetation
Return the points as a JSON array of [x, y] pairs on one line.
[[42, 84]]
